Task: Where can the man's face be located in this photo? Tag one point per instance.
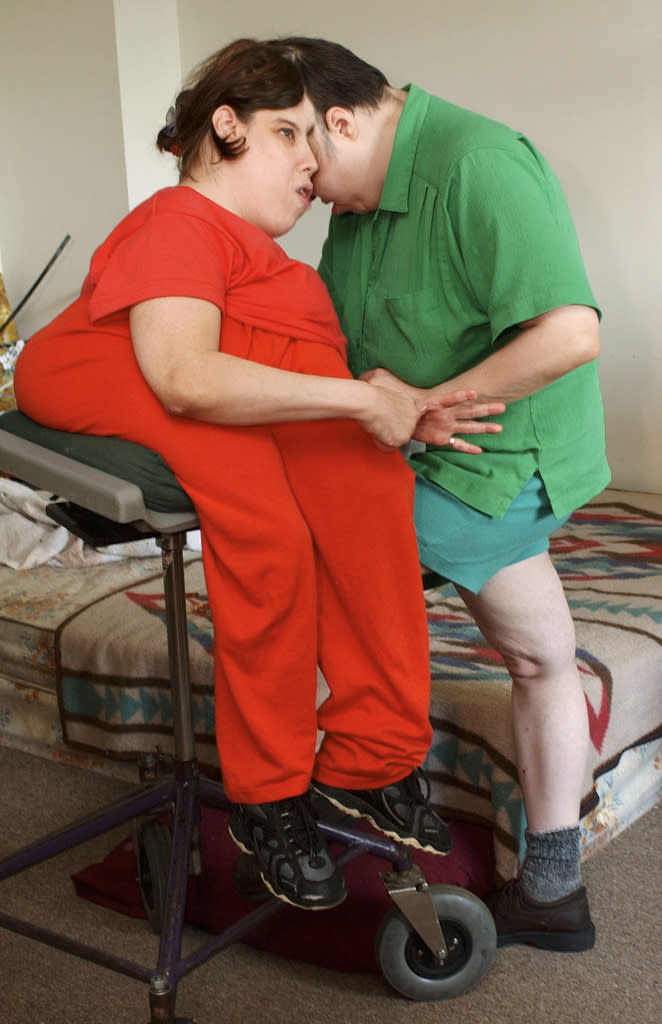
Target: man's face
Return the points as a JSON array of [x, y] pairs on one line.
[[341, 177]]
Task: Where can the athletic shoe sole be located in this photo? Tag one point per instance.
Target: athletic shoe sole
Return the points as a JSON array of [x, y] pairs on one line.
[[381, 826]]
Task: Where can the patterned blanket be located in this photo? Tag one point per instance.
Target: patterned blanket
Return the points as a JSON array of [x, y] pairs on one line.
[[112, 676]]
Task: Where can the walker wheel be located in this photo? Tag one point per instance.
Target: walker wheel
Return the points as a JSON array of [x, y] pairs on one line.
[[470, 936], [153, 848]]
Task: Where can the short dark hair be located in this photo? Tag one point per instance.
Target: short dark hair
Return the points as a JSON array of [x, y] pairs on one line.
[[247, 75], [333, 75]]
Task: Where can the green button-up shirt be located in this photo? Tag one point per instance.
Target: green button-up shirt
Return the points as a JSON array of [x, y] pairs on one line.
[[472, 236]]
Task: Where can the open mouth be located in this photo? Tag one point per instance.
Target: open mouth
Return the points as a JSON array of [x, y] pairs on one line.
[[307, 192]]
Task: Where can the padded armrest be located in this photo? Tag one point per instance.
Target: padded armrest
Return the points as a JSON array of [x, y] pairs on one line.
[[94, 489]]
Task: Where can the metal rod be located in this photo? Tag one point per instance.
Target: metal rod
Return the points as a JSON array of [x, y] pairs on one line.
[[378, 846], [80, 949], [178, 658], [230, 935], [144, 801], [185, 819], [16, 311]]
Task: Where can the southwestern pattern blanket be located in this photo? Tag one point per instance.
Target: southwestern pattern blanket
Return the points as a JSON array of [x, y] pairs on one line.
[[113, 692]]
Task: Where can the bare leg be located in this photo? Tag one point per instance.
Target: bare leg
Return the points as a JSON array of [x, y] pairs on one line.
[[523, 614]]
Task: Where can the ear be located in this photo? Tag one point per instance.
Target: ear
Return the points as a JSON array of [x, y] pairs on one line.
[[341, 121], [225, 122]]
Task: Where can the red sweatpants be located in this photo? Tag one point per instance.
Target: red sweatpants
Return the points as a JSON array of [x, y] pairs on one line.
[[309, 554]]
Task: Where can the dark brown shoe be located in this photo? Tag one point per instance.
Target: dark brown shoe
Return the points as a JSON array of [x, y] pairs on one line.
[[564, 925]]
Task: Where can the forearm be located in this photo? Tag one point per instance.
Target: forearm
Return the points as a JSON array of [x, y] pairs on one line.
[[547, 348], [176, 345], [175, 340], [220, 388], [508, 375]]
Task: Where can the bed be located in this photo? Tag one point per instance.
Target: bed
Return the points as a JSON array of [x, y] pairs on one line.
[[83, 666]]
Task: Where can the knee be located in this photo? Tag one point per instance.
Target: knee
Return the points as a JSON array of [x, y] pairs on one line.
[[543, 660], [537, 639]]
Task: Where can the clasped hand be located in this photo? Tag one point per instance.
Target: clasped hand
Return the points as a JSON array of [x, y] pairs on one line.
[[438, 417]]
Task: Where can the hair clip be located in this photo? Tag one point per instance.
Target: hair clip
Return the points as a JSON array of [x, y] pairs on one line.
[[170, 127]]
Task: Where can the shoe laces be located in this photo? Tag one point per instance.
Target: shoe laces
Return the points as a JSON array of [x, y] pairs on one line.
[[294, 818]]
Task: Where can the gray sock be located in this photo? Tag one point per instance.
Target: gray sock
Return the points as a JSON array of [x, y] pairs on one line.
[[551, 865]]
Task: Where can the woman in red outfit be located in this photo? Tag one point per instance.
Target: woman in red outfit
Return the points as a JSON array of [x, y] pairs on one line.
[[196, 336]]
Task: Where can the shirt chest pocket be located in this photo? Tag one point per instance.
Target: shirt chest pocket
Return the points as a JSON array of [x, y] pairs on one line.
[[406, 335]]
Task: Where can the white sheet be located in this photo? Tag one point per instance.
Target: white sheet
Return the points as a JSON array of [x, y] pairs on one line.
[[29, 538]]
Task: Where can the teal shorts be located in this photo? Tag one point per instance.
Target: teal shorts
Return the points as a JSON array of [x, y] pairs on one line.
[[468, 546]]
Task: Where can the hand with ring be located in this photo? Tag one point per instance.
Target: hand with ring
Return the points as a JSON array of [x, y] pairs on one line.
[[445, 416]]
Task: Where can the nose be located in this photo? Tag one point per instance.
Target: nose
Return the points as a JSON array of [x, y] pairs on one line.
[[309, 160]]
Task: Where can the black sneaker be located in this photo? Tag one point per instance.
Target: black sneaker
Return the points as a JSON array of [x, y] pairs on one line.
[[401, 811], [292, 855], [564, 926]]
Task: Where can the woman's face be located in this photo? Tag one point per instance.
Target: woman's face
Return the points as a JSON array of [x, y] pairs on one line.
[[270, 183]]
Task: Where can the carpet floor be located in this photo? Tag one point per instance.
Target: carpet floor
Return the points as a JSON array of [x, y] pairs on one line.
[[620, 980]]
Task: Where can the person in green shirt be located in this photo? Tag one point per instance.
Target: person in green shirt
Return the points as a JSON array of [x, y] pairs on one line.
[[453, 262]]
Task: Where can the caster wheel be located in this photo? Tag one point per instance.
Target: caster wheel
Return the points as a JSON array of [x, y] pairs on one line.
[[154, 844], [408, 964]]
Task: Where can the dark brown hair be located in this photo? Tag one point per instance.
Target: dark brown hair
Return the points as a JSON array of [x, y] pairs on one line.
[[246, 75], [333, 75]]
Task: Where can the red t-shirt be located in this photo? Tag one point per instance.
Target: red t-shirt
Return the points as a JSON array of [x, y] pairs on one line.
[[178, 242]]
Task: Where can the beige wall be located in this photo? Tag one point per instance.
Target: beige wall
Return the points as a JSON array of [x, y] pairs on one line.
[[148, 59], [584, 81], [62, 166]]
